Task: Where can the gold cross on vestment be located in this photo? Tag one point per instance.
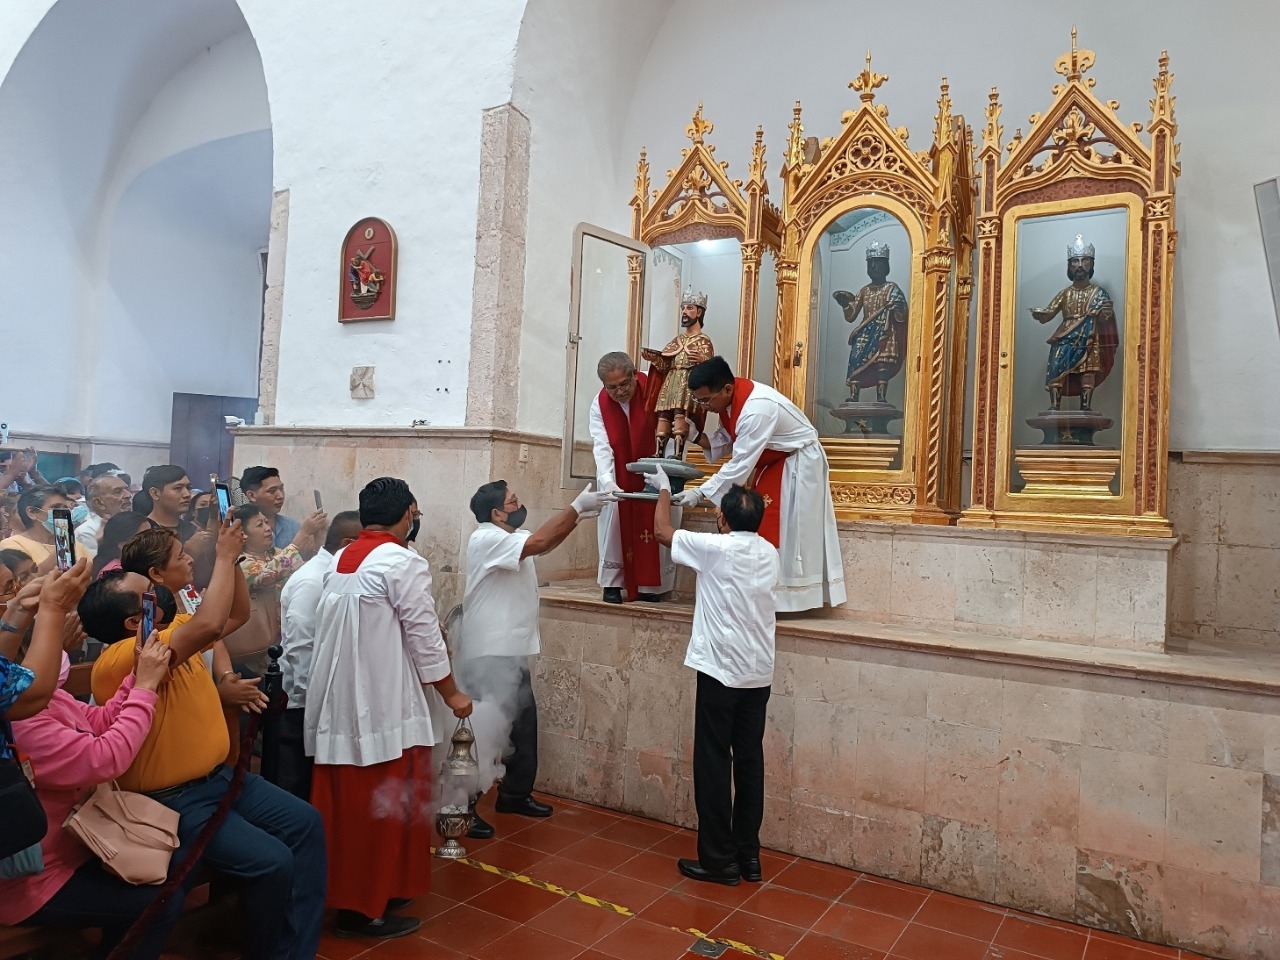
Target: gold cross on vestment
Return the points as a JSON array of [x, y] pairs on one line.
[[646, 536], [768, 501], [631, 555]]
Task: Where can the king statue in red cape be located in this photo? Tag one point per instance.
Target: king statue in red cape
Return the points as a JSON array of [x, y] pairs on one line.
[[622, 424]]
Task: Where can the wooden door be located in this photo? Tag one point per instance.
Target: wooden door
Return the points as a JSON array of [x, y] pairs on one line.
[[199, 439]]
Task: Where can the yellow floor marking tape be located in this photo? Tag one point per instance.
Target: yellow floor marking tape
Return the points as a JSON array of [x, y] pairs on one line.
[[616, 908]]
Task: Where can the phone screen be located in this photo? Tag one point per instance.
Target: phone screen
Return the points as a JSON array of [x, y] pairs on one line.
[[319, 505], [64, 542], [223, 494], [148, 614]]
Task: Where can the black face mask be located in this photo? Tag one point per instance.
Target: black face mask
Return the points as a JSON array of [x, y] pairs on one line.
[[202, 517], [516, 518], [413, 530]]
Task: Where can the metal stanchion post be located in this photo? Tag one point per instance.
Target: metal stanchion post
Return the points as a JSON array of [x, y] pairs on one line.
[[273, 687]]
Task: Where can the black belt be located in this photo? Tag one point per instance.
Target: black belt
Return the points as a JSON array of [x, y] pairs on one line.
[[168, 792]]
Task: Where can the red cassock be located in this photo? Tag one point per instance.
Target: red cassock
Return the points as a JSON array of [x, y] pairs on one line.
[[767, 474], [631, 438]]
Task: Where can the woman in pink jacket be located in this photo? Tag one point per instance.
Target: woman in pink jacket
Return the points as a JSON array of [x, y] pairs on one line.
[[73, 748]]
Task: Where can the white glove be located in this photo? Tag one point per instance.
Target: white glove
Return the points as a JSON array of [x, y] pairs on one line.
[[589, 503], [660, 480], [690, 497], [610, 486]]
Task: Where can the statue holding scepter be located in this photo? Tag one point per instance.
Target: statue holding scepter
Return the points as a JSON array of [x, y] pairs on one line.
[[673, 402]]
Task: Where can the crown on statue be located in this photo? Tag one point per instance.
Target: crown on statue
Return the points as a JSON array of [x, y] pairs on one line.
[[1080, 248], [697, 299], [876, 250]]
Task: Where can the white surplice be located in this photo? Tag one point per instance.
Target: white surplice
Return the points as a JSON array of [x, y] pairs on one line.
[[809, 544], [608, 530], [377, 642]]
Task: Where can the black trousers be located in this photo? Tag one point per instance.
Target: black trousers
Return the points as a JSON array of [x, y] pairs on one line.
[[293, 772], [502, 679], [728, 771]]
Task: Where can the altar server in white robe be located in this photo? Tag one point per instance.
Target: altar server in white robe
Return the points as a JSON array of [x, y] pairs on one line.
[[368, 721], [775, 450]]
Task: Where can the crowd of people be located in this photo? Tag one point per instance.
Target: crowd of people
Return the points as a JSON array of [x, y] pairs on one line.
[[181, 609]]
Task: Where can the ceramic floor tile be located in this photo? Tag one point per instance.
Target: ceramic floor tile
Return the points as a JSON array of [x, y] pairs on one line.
[[878, 931], [465, 929], [641, 940], [968, 918], [818, 879], [515, 901], [459, 882], [685, 913], [814, 946], [529, 942], [568, 874], [652, 868], [548, 838], [1047, 940], [641, 834], [635, 895], [919, 942], [789, 906], [582, 923], [598, 852], [759, 932], [1114, 948], [509, 855], [895, 900]]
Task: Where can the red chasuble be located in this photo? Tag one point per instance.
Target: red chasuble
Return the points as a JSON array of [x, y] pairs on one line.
[[630, 439], [767, 472]]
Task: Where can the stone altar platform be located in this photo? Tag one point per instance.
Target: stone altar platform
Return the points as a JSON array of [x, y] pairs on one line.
[[1128, 790]]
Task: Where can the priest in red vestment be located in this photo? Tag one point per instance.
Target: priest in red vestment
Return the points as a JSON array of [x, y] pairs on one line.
[[632, 564], [369, 721]]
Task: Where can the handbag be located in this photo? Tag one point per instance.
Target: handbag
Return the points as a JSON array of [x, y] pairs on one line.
[[20, 810], [133, 835]]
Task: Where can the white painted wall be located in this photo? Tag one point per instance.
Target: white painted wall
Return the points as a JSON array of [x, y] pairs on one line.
[[750, 59]]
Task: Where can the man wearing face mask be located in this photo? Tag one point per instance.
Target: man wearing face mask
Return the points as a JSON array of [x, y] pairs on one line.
[[500, 622], [368, 722]]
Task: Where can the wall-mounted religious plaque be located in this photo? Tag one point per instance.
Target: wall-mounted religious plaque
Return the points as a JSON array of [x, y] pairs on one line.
[[1076, 247], [367, 288]]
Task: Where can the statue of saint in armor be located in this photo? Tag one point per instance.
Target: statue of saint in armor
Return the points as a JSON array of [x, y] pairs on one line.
[[674, 403], [1083, 348], [876, 346]]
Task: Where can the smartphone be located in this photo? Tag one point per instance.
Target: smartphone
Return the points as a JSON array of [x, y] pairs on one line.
[[222, 493], [64, 541], [319, 505], [148, 614]]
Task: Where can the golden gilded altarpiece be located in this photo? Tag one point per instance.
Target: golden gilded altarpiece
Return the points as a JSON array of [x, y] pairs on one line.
[[1080, 172]]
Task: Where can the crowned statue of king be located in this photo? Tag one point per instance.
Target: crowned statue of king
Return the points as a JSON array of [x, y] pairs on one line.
[[1083, 348], [877, 346], [670, 367]]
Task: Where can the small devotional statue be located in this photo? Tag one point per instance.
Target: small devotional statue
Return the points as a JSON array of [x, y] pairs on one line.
[[1083, 348], [672, 401], [877, 346]]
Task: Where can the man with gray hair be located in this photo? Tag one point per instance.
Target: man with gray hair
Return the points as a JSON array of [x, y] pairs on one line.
[[622, 422]]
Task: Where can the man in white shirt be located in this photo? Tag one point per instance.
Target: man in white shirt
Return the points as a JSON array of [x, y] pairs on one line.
[[368, 725], [299, 607], [500, 623], [622, 424], [107, 496], [732, 648], [775, 450]]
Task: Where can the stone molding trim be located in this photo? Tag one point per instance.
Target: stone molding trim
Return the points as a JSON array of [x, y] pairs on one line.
[[273, 308], [263, 432], [497, 302]]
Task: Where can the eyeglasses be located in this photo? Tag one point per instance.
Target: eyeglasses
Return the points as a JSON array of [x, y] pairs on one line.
[[704, 402], [619, 387]]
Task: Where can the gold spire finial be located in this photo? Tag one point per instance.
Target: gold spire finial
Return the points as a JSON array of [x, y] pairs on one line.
[[795, 143], [698, 127], [942, 128], [867, 81], [994, 131], [1075, 64]]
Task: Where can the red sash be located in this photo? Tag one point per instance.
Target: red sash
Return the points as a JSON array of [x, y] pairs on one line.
[[354, 553], [630, 439], [767, 472]]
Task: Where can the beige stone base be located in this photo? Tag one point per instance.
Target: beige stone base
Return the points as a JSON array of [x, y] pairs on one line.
[[1128, 791], [1067, 471]]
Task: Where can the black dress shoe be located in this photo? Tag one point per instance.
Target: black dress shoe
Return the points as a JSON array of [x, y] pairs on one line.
[[524, 806], [398, 903], [649, 597], [352, 925], [750, 870], [695, 871], [612, 594], [480, 830]]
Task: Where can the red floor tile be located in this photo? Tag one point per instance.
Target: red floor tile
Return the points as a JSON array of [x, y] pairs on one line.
[[549, 838], [508, 855], [411, 947], [432, 905], [579, 922], [682, 843], [652, 868], [893, 899], [1006, 953], [641, 834], [568, 874], [1052, 941], [457, 881], [337, 948], [759, 932], [465, 929], [528, 942], [969, 918], [716, 892], [598, 852], [1102, 946], [925, 943], [642, 940], [878, 931], [685, 913], [789, 906], [515, 901], [635, 895], [583, 820], [814, 946], [817, 879]]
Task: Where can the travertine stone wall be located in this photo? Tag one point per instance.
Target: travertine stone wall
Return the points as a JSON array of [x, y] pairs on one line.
[[1138, 806]]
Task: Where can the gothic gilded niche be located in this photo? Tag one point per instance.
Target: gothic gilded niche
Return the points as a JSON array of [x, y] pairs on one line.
[[874, 283], [1075, 263]]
